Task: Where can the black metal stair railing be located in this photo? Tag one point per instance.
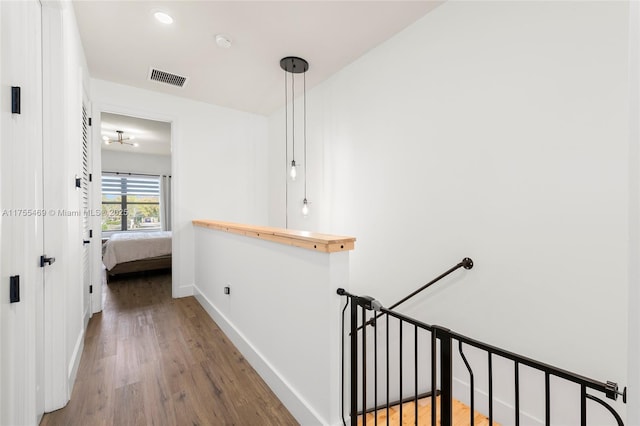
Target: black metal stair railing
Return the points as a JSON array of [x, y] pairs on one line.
[[441, 342]]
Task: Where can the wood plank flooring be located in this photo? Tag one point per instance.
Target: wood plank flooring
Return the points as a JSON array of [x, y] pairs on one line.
[[152, 360], [461, 415]]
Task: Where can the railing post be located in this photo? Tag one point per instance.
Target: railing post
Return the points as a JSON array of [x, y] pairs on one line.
[[354, 362], [446, 377]]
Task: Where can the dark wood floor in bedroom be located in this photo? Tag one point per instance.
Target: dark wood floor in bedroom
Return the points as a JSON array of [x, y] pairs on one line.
[[153, 360]]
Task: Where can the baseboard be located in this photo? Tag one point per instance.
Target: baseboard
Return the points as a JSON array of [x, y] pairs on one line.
[[86, 317], [74, 362], [183, 291], [503, 412], [299, 408]]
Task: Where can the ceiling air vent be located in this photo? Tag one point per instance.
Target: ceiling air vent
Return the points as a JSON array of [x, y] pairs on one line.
[[167, 77]]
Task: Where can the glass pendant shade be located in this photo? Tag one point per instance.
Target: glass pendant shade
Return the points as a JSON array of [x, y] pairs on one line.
[[293, 173]]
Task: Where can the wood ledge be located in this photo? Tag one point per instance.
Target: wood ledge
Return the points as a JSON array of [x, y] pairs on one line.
[[304, 239]]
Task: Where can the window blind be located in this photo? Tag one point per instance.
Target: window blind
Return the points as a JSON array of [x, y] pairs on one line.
[[130, 185]]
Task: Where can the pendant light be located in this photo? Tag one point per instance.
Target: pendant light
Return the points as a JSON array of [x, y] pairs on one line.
[[294, 65], [305, 203]]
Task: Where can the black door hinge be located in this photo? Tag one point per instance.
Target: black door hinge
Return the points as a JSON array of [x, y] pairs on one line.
[[15, 100], [14, 289], [90, 233], [89, 121], [90, 177], [90, 289], [78, 182]]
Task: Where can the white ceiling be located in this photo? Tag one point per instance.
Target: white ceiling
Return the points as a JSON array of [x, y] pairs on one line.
[[122, 40], [152, 137]]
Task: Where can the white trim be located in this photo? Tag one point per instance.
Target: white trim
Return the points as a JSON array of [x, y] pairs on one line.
[[633, 316], [183, 291], [55, 322], [86, 316], [74, 363], [297, 405], [98, 109]]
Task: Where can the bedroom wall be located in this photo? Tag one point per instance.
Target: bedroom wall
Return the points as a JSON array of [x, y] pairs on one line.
[[132, 162], [494, 130], [219, 168]]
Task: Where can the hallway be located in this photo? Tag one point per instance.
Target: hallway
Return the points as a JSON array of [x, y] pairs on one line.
[[150, 359]]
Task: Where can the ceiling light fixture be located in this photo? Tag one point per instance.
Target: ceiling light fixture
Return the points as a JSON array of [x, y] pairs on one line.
[[223, 41], [163, 17], [294, 65], [120, 139]]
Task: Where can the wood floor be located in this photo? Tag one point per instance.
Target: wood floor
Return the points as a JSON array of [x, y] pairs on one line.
[[153, 360], [461, 415]]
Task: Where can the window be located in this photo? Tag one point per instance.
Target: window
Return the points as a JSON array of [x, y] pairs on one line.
[[130, 203]]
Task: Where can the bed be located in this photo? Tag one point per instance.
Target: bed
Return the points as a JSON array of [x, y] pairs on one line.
[[128, 252]]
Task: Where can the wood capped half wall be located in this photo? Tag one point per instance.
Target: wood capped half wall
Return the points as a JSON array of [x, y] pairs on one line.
[[304, 239]]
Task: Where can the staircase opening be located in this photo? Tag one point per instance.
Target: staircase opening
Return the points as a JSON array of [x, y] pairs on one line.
[[398, 370]]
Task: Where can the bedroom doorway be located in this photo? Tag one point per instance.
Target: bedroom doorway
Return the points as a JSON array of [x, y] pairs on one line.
[[135, 194]]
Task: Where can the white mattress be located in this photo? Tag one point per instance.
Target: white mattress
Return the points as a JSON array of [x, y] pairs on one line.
[[129, 246]]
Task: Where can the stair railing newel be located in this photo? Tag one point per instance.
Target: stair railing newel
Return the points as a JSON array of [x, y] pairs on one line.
[[441, 341]]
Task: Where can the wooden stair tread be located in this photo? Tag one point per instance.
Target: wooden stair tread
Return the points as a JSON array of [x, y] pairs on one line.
[[461, 415]]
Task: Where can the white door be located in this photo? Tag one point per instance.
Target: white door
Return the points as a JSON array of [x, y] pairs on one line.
[[87, 232], [21, 224]]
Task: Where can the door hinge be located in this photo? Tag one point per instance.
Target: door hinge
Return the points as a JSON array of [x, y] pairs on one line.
[[90, 233], [15, 100], [78, 182], [14, 289], [89, 121], [90, 289], [90, 177]]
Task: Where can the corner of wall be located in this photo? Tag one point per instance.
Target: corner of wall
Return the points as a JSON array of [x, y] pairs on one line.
[[74, 361], [183, 291]]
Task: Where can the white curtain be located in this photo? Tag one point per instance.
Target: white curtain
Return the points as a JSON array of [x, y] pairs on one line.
[[165, 202]]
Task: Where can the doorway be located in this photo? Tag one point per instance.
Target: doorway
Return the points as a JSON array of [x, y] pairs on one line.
[[135, 192]]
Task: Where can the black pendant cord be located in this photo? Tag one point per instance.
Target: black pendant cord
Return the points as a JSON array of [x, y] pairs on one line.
[[293, 117], [286, 152], [304, 79], [294, 65]]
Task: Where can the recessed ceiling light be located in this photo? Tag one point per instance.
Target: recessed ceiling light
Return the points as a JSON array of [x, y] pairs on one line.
[[163, 17], [105, 138], [136, 144], [223, 41]]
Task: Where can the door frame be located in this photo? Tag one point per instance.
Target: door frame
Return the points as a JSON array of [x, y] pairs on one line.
[[86, 103], [97, 267]]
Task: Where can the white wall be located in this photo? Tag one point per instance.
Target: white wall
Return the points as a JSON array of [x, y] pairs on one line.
[[634, 215], [494, 130], [131, 162], [280, 313], [219, 167]]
